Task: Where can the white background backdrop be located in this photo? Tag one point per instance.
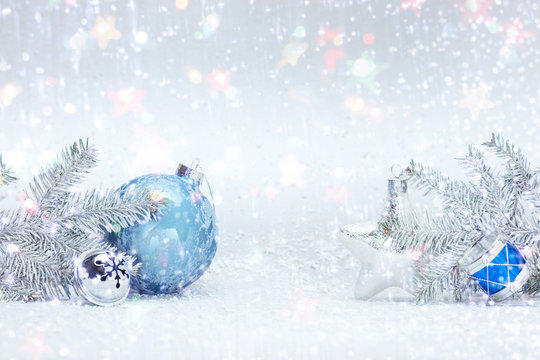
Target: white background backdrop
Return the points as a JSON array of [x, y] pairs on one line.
[[296, 111]]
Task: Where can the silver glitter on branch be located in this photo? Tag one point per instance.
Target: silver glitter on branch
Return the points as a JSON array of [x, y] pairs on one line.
[[54, 183], [37, 246], [6, 176], [508, 203]]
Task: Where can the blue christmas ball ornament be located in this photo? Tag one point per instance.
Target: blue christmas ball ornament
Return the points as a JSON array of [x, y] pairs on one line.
[[497, 265], [178, 246]]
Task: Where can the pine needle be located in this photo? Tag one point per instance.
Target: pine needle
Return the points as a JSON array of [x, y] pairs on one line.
[[6, 175]]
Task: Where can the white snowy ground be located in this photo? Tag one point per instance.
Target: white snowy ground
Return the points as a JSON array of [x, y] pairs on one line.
[[305, 312]]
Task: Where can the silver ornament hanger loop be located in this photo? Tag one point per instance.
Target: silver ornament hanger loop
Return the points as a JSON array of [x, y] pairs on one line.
[[398, 183], [195, 164], [397, 171], [199, 167]]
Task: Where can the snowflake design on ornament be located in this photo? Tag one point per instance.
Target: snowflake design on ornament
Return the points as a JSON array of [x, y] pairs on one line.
[[114, 266]]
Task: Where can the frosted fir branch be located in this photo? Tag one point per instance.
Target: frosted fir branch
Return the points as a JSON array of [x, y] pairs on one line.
[[476, 163], [31, 236], [433, 234], [31, 267], [75, 240], [96, 211], [36, 273], [29, 255], [16, 293], [54, 182], [520, 177], [526, 234], [534, 259], [532, 287], [534, 195], [430, 287], [457, 196], [457, 284], [498, 200], [519, 169], [13, 290], [20, 229], [6, 175], [441, 273]]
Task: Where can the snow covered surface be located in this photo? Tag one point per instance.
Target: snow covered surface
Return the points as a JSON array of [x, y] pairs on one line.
[[233, 321], [275, 310], [202, 326]]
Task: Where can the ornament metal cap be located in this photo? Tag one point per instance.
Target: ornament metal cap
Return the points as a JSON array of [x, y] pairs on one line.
[[397, 186], [187, 172], [398, 183]]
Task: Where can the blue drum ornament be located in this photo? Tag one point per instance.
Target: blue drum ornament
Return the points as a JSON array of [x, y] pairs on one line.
[[497, 265], [176, 248]]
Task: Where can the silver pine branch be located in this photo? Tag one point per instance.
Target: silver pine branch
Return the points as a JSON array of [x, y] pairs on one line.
[[6, 175]]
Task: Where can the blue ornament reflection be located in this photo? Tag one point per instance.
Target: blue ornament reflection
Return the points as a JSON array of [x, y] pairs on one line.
[[177, 247]]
